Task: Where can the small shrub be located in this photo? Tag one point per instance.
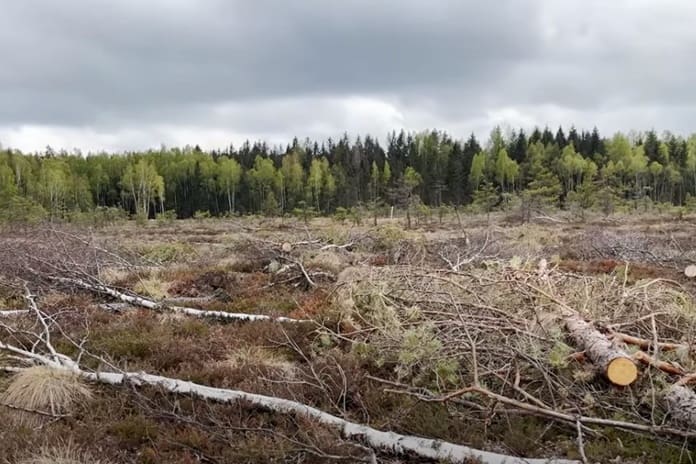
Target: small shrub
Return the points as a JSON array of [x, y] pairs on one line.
[[134, 430], [99, 217], [388, 236], [356, 214], [200, 215], [166, 218], [152, 287], [559, 355], [340, 215], [258, 356], [126, 344], [141, 219], [191, 328], [20, 210], [418, 348], [167, 252]]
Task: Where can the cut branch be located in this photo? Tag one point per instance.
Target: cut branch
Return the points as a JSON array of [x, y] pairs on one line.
[[647, 344], [565, 417], [665, 366]]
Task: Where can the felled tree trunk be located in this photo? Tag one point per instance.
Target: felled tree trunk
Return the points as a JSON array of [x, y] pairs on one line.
[[613, 362], [390, 442], [149, 304]]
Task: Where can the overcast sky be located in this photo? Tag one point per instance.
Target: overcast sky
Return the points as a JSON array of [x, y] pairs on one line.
[[132, 74]]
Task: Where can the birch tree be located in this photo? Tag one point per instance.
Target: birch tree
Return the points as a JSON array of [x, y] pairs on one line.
[[142, 184]]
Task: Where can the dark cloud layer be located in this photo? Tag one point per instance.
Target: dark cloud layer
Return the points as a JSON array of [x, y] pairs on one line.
[[127, 74]]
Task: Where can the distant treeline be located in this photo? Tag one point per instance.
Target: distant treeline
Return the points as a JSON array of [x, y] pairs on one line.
[[427, 169]]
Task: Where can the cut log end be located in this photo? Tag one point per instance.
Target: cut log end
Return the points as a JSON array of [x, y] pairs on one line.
[[622, 371]]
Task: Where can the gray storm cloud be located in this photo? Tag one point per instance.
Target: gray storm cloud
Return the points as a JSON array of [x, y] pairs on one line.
[[130, 74]]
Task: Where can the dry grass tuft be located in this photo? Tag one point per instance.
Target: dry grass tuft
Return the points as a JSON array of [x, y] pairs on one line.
[[43, 390], [114, 275], [329, 261], [152, 287], [65, 453], [261, 357]]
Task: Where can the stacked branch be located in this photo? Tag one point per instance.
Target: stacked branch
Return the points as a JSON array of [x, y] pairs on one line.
[[514, 331]]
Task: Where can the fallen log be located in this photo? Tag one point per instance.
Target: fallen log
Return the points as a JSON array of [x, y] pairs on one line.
[[379, 440], [389, 442], [614, 363], [149, 304]]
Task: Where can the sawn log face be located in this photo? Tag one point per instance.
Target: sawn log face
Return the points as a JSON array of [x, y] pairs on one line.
[[612, 361]]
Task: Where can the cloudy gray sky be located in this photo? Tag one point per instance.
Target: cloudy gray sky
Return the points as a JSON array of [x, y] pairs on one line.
[[132, 74]]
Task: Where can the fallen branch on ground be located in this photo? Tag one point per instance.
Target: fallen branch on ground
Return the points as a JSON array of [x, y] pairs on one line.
[[565, 417], [665, 366], [388, 441], [647, 344], [336, 247], [42, 352], [13, 312], [379, 440], [149, 304]]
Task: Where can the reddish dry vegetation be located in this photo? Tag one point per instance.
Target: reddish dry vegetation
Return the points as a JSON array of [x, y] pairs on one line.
[[395, 337]]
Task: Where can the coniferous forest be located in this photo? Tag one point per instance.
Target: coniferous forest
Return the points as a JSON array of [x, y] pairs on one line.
[[532, 170]]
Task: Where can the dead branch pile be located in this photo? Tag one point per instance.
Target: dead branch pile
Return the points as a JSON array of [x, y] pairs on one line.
[[529, 339], [57, 258], [634, 246], [59, 252]]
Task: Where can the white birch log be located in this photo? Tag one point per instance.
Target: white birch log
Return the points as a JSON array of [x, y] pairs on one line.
[[149, 304], [13, 312], [379, 440]]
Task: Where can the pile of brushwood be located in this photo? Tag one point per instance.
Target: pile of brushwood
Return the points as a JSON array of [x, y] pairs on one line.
[[494, 343]]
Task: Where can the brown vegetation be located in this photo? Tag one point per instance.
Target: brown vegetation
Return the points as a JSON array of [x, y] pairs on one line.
[[497, 338]]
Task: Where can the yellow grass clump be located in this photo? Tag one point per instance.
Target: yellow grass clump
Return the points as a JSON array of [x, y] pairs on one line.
[[261, 357], [64, 453], [41, 390], [152, 287]]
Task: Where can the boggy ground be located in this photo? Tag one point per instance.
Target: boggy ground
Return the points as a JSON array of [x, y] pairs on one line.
[[396, 320]]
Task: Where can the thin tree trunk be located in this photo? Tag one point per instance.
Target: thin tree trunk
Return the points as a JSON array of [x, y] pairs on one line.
[[614, 363]]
